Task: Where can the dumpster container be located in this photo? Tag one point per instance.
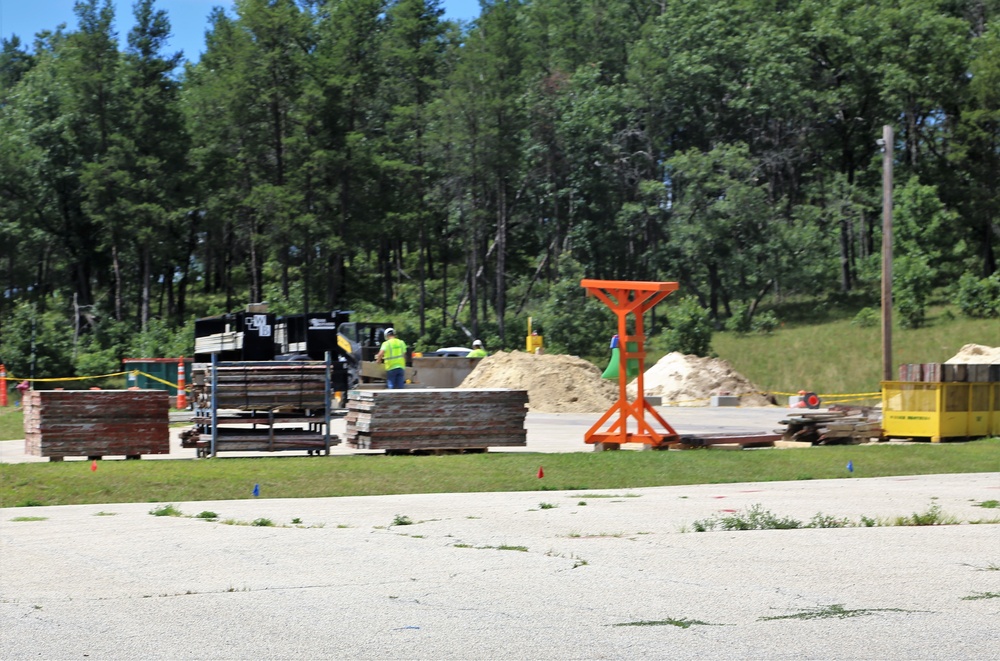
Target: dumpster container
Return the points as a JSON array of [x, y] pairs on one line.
[[939, 411], [161, 368]]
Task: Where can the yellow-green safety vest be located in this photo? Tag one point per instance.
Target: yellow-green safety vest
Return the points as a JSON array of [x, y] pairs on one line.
[[394, 354]]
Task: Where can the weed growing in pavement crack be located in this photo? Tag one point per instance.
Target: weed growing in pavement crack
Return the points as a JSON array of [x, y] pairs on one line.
[[982, 595], [166, 510], [833, 611], [402, 520], [30, 518], [683, 624]]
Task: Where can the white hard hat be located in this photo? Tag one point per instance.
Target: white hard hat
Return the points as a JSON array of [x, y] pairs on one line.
[[477, 343], [390, 331]]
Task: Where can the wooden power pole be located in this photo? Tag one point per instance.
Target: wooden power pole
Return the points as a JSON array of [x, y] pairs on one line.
[[887, 144]]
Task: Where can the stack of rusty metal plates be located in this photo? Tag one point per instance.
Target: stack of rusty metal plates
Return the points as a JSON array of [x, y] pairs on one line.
[[430, 419], [96, 423]]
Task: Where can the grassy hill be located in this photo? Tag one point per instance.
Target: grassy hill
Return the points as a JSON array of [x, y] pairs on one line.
[[838, 357]]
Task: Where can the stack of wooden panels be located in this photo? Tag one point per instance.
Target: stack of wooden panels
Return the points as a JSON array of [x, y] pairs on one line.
[[949, 373], [831, 428], [262, 386], [436, 419], [95, 423]]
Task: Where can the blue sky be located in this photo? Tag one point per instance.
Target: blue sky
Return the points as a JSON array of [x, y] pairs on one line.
[[188, 18]]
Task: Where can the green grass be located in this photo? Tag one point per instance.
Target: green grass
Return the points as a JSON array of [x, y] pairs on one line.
[[165, 481], [836, 357], [11, 423]]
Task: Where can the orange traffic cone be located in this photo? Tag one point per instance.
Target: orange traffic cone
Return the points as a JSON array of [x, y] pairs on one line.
[[93, 466], [541, 473]]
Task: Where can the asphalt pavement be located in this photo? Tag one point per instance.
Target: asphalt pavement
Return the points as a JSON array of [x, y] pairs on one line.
[[602, 574]]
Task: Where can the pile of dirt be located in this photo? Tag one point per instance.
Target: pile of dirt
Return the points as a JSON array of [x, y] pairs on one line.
[[568, 384], [975, 354], [683, 380], [555, 383]]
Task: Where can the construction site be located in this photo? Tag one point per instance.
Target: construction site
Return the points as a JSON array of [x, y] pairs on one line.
[[311, 382]]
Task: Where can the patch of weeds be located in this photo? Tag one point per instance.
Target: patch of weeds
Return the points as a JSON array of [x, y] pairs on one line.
[[31, 502], [610, 495], [105, 513], [683, 624], [577, 535], [232, 522], [826, 521], [508, 547], [868, 522], [755, 518], [473, 517], [989, 504], [30, 518], [37, 607], [206, 514], [418, 536], [296, 520], [166, 510], [392, 596], [931, 517], [262, 523], [546, 506], [343, 525], [402, 520], [833, 611], [995, 519], [582, 503], [462, 546], [982, 595], [579, 562]]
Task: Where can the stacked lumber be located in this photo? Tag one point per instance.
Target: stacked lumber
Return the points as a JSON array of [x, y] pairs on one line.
[[436, 419], [258, 439], [949, 373], [831, 428], [96, 423], [257, 386]]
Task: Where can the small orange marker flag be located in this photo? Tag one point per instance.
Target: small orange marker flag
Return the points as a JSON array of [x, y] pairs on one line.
[[93, 466], [541, 473]]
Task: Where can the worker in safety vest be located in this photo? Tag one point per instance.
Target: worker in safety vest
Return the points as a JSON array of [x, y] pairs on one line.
[[393, 354], [477, 350]]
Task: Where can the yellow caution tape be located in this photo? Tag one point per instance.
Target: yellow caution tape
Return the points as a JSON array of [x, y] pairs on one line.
[[11, 377]]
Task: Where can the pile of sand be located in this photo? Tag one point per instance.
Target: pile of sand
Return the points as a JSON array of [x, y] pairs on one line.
[[568, 384], [975, 354], [691, 381], [555, 383]]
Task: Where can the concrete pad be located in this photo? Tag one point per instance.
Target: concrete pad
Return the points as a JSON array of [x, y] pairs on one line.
[[546, 575]]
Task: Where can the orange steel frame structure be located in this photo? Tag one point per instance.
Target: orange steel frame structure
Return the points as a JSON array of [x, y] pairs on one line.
[[626, 297]]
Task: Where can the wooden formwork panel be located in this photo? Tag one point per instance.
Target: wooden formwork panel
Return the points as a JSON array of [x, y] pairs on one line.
[[436, 419], [87, 423]]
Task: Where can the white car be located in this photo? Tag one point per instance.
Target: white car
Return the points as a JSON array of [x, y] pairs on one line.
[[455, 352]]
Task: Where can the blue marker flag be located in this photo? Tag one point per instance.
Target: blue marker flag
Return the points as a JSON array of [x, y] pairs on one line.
[[850, 466], [256, 490]]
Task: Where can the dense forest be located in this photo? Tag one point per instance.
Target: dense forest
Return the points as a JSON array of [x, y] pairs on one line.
[[458, 178]]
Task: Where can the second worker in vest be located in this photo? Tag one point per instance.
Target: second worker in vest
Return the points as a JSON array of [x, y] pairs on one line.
[[477, 350], [393, 354]]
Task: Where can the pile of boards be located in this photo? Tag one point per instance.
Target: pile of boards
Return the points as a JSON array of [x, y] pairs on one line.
[[262, 386], [949, 373], [420, 420], [96, 423], [832, 427]]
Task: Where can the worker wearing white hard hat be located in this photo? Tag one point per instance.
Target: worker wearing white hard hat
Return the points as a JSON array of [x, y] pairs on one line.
[[393, 354], [477, 350]]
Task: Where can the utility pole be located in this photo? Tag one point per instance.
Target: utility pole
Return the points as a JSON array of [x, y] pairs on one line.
[[887, 143]]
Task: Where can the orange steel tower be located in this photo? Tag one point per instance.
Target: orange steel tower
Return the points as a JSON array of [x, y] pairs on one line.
[[624, 298]]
